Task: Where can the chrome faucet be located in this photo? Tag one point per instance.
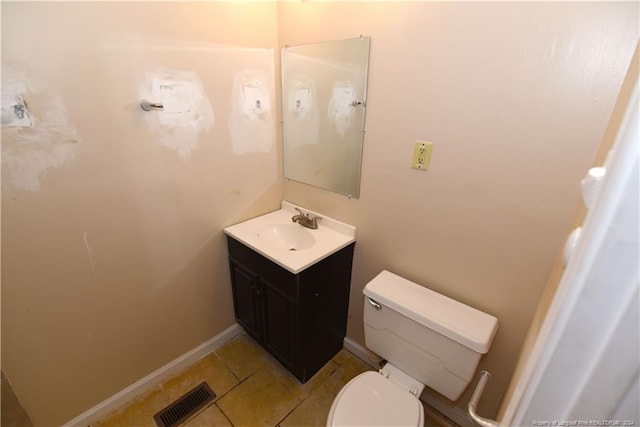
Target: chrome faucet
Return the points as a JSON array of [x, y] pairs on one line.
[[306, 221]]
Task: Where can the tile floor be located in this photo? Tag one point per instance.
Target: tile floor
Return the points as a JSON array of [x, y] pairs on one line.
[[252, 389]]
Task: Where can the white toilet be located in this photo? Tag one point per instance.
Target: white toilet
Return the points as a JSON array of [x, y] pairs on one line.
[[426, 338]]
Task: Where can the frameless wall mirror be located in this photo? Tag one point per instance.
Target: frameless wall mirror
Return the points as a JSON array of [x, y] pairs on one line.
[[324, 90]]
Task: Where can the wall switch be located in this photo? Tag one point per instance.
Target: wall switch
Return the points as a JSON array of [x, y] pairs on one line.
[[421, 155]]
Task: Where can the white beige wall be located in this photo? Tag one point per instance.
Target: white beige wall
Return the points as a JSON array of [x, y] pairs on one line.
[[579, 217], [113, 258], [515, 98]]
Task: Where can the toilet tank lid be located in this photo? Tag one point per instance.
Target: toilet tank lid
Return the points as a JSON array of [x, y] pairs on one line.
[[453, 319]]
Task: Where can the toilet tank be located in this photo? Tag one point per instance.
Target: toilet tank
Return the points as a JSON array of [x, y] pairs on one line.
[[433, 338]]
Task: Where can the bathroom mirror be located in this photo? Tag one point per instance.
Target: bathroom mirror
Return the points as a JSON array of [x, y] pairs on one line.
[[324, 90]]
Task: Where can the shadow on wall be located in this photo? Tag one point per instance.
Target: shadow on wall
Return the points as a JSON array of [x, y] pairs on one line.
[[13, 414]]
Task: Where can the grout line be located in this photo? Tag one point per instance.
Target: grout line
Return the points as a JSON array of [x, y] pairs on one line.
[[218, 397], [290, 412], [227, 367], [223, 414], [311, 392], [195, 416]]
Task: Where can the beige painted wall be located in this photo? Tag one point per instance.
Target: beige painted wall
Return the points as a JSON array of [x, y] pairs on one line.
[[515, 98], [579, 217], [117, 264]]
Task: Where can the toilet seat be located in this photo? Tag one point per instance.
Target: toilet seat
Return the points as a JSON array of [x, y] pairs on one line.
[[373, 400]]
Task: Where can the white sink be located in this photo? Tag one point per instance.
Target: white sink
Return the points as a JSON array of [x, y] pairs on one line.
[[291, 237], [289, 244]]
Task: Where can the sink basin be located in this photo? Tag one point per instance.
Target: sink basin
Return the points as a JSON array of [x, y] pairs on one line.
[[291, 245], [291, 237]]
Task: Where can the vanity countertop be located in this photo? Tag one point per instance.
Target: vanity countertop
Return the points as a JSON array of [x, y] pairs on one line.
[[330, 236]]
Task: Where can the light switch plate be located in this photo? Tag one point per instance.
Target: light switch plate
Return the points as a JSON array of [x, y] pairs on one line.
[[422, 155]]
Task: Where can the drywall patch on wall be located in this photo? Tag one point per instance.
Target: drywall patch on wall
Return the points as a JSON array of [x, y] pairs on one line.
[[254, 102], [341, 108], [302, 118], [39, 138], [186, 109], [251, 123]]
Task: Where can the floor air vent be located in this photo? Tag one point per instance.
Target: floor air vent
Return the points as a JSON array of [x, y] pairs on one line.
[[180, 410]]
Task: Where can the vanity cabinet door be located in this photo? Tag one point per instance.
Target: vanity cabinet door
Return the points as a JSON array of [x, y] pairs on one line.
[[280, 324], [247, 299], [299, 318], [265, 312]]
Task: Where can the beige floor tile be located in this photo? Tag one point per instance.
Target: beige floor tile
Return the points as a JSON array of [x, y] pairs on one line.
[[313, 411], [261, 400], [209, 369], [243, 356], [211, 416], [264, 398], [341, 356], [293, 383], [350, 368], [138, 413]]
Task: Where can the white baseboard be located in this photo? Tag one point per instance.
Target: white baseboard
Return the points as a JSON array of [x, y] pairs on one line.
[[449, 410], [361, 352], [156, 377]]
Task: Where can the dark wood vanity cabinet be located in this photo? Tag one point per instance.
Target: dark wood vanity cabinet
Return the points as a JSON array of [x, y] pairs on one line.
[[300, 319]]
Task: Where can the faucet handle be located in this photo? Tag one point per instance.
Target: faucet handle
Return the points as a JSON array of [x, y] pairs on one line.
[[302, 213]]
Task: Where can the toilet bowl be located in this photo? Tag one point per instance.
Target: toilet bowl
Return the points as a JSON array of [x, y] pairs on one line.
[[427, 339], [373, 400], [388, 397]]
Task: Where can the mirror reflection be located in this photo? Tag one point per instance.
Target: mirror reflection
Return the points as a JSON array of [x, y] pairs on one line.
[[323, 99]]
